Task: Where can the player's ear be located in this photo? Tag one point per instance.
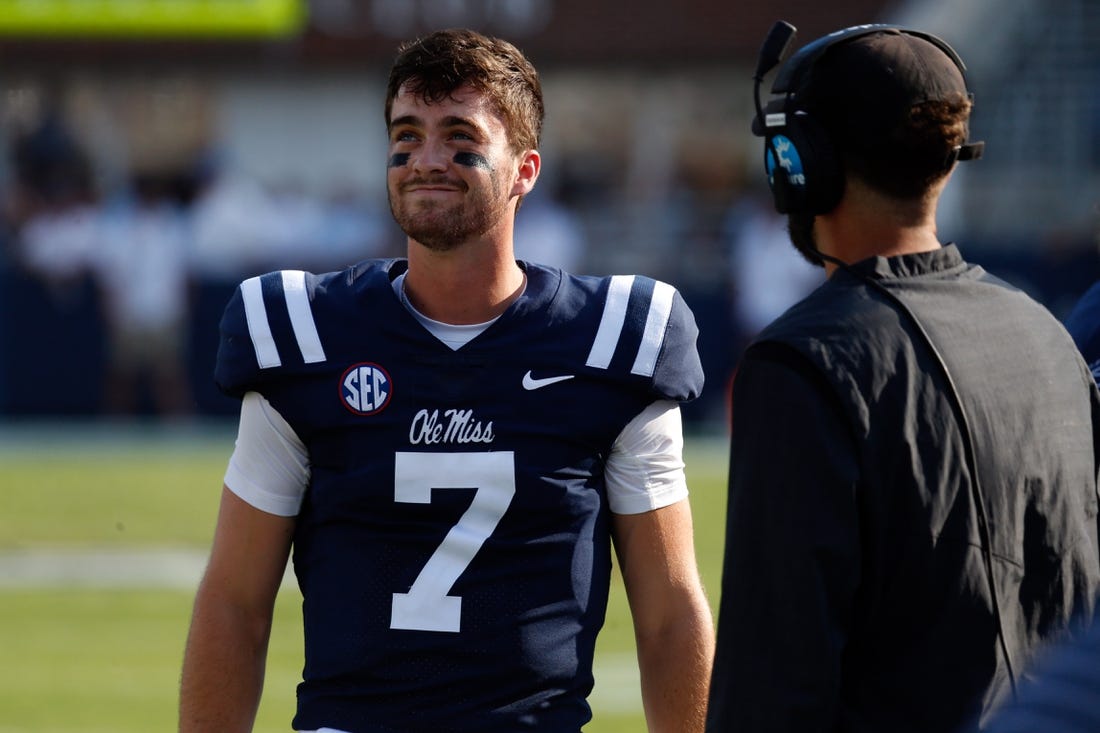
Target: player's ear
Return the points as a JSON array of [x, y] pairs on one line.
[[527, 172]]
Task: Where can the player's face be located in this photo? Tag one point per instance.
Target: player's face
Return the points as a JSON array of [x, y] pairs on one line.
[[452, 175]]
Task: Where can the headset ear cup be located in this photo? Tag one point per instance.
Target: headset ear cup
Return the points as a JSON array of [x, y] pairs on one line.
[[823, 171], [803, 170], [786, 194]]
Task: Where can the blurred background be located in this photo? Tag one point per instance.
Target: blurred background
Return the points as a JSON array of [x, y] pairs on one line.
[[155, 153]]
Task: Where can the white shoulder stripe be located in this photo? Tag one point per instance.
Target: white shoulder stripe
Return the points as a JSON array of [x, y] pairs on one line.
[[267, 355], [301, 316], [656, 321], [611, 324]]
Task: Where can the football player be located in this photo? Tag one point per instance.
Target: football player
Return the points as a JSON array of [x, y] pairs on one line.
[[451, 445]]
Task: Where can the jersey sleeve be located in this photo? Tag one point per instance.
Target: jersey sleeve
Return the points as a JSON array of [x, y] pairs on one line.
[[647, 330], [678, 372], [267, 325], [236, 367]]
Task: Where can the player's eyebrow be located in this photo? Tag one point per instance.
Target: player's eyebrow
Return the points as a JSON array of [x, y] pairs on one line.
[[455, 121], [446, 122], [406, 120]]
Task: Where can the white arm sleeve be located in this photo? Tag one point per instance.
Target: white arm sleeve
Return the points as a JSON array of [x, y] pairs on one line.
[[645, 470], [269, 467]]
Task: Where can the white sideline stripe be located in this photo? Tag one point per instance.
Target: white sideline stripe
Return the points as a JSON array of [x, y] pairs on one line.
[[267, 355], [100, 568], [611, 322], [656, 321], [301, 316]]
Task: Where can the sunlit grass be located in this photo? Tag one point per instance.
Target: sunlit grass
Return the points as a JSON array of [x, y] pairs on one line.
[[86, 660]]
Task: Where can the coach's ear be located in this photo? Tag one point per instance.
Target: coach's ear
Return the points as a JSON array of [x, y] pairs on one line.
[[530, 163]]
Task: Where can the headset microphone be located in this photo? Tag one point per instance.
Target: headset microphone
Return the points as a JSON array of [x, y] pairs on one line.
[[771, 53], [773, 50], [969, 151]]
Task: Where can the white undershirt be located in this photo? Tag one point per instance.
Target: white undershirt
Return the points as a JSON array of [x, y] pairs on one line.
[[270, 468]]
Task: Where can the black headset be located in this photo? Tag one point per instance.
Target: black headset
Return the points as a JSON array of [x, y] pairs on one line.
[[805, 173]]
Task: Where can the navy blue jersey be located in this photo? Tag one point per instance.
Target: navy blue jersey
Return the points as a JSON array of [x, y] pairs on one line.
[[453, 547]]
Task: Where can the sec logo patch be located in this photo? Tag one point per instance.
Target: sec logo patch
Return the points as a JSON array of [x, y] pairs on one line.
[[365, 388]]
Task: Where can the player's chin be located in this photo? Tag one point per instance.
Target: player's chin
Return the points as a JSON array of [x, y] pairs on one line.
[[441, 243], [440, 238], [423, 215]]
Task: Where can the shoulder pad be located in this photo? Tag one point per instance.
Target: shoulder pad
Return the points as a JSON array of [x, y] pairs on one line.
[[646, 328], [267, 324]]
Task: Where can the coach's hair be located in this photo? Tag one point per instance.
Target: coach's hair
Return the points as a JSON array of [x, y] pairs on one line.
[[434, 66], [910, 158]]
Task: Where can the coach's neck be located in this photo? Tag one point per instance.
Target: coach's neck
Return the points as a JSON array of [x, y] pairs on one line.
[[867, 223]]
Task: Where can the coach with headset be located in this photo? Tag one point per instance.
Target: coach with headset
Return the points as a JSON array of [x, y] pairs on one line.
[[913, 472]]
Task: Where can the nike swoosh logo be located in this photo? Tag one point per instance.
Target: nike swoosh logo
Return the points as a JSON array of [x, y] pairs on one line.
[[530, 382]]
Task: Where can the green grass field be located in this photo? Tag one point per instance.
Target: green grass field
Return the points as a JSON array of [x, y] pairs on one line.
[[88, 659]]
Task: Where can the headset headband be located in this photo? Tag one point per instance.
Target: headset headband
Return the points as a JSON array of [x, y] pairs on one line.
[[807, 56]]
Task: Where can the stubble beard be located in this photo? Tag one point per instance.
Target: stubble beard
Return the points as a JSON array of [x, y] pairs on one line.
[[800, 227], [440, 227]]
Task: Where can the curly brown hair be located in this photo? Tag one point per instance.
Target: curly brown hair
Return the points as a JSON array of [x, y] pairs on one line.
[[915, 153], [435, 65]]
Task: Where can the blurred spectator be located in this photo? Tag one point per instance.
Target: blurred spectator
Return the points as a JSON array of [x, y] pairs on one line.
[[56, 242], [52, 171], [352, 229], [767, 272], [319, 233], [241, 227], [548, 232], [140, 265], [291, 228], [51, 205], [229, 220]]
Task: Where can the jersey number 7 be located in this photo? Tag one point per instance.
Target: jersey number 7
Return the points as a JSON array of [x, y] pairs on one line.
[[427, 607]]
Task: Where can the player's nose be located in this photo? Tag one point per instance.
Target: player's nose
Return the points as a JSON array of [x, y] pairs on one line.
[[431, 156]]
